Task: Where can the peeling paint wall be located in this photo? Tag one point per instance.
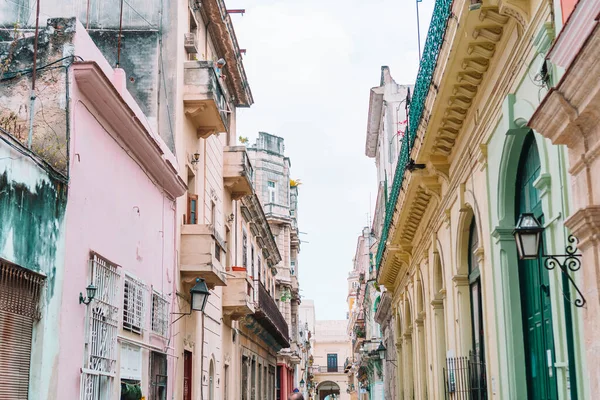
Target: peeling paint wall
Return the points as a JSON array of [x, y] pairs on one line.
[[32, 206], [148, 45], [50, 128]]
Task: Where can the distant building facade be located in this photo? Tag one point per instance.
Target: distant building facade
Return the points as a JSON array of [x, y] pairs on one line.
[[278, 194], [331, 349]]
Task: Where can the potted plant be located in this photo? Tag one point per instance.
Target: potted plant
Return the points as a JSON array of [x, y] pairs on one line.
[[130, 391]]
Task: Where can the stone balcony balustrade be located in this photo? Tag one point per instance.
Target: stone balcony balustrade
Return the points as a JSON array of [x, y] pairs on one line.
[[238, 295], [202, 250], [237, 172], [205, 99]]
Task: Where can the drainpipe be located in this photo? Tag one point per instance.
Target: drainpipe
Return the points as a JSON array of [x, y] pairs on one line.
[[33, 76]]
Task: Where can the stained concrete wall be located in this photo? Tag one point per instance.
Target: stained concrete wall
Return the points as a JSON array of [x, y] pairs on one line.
[[32, 235], [50, 120], [148, 45]]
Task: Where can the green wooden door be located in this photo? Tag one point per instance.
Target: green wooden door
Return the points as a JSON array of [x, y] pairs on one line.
[[535, 290]]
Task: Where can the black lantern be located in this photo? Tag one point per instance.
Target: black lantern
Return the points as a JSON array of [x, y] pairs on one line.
[[90, 290], [528, 235], [381, 350], [302, 383], [199, 294], [195, 158]]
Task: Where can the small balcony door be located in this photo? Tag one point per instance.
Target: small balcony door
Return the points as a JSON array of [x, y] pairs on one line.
[[332, 363]]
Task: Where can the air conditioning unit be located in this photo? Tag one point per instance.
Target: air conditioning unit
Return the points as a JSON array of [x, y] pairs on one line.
[[190, 43]]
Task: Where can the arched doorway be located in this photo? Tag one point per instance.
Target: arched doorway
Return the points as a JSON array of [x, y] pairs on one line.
[[534, 285], [477, 357], [328, 390]]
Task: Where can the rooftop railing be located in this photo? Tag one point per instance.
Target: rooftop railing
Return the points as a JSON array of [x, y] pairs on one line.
[[433, 44]]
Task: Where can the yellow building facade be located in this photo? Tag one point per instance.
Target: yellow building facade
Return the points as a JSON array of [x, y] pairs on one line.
[[471, 319]]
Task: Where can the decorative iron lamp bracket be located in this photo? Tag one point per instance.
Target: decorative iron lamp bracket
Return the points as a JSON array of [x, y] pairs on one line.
[[528, 238], [571, 261]]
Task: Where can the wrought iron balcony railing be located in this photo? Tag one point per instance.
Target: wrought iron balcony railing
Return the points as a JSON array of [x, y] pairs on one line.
[[465, 378], [269, 316], [433, 44]]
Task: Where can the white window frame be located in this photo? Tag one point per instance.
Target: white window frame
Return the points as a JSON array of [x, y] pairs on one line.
[[272, 191], [134, 297], [160, 314]]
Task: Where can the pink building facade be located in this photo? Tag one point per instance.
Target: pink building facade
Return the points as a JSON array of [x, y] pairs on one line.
[[120, 225]]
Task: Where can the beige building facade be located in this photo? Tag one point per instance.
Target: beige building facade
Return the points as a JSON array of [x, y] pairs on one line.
[[331, 348], [231, 350]]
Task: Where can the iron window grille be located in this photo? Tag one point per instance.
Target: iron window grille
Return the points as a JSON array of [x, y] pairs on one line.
[[102, 322], [160, 313], [133, 305]]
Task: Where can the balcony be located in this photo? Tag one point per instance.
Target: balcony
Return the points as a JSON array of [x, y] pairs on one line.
[[268, 315], [237, 172], [201, 255], [204, 98], [273, 210], [237, 295], [324, 369], [433, 44], [347, 365]]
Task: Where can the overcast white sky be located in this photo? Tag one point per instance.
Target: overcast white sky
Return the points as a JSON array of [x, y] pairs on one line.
[[310, 65]]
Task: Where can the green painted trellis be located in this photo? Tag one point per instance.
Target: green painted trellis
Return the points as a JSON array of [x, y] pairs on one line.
[[433, 44]]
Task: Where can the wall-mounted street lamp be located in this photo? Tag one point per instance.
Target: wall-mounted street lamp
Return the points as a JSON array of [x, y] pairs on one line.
[[195, 158], [302, 383], [90, 290], [382, 353], [199, 293], [381, 350], [528, 237]]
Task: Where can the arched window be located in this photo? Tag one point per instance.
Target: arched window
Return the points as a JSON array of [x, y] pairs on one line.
[[475, 290], [211, 381]]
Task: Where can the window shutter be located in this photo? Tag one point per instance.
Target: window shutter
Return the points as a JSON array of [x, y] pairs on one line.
[[19, 307], [131, 362], [15, 354]]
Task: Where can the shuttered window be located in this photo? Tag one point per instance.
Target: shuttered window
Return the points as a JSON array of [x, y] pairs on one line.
[[19, 308]]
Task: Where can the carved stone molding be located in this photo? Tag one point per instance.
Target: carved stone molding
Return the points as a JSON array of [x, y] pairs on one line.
[[585, 225]]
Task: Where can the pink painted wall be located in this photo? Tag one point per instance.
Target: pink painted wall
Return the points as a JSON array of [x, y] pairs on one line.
[[567, 7], [116, 210]]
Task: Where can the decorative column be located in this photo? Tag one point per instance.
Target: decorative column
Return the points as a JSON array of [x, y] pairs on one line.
[[421, 360], [399, 369], [440, 346], [409, 392], [464, 334]]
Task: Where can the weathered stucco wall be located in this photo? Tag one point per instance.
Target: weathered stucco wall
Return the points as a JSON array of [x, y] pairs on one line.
[[32, 235], [32, 206], [148, 45], [50, 127]]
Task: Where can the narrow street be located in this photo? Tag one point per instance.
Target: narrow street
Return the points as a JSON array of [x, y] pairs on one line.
[[316, 200]]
